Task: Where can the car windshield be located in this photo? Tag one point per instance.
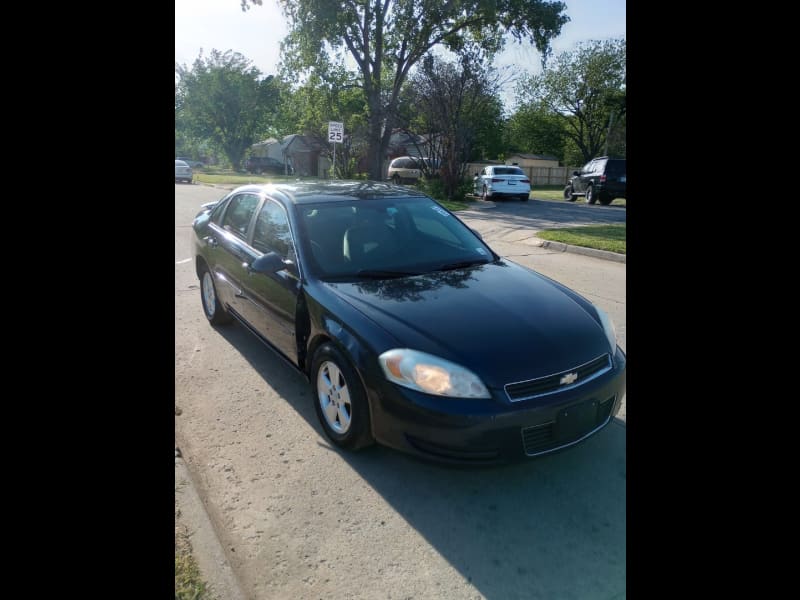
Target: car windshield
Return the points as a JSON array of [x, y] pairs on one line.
[[385, 238]]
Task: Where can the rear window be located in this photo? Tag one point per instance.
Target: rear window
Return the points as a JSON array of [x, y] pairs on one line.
[[615, 167], [508, 171]]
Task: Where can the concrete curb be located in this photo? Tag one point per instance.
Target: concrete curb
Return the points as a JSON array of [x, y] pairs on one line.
[[603, 254], [207, 549]]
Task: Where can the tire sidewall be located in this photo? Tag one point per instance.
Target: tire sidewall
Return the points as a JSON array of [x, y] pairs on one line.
[[220, 316], [359, 434], [590, 197]]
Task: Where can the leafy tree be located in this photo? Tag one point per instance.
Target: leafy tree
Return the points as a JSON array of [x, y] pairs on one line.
[[386, 38], [453, 104], [223, 99], [537, 130], [320, 99], [584, 89]]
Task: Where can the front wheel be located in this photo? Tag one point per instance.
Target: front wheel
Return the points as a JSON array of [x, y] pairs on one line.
[[485, 195], [396, 179], [569, 195], [590, 197], [212, 307], [339, 399]]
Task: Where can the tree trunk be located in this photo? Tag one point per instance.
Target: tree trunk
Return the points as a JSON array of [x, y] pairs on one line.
[[375, 149]]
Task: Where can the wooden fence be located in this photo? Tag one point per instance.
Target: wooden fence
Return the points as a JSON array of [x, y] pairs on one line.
[[537, 175]]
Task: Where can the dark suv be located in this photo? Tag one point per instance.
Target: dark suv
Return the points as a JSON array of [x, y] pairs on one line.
[[602, 179], [267, 164]]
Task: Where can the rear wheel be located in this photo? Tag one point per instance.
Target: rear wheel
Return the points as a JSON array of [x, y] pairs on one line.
[[605, 199], [569, 196], [339, 399], [524, 197], [212, 307], [590, 197]]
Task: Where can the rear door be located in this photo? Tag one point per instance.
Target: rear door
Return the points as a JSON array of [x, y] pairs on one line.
[[585, 177], [229, 249]]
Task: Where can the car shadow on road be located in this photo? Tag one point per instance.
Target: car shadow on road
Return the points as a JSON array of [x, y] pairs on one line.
[[551, 527]]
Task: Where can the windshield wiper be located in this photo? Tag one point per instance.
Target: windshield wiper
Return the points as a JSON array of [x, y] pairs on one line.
[[383, 274], [462, 264]]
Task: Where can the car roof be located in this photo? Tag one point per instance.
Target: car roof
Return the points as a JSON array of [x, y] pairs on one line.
[[308, 192], [180, 162]]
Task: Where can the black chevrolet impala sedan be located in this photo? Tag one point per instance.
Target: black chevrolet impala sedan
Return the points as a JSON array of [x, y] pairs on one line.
[[412, 332]]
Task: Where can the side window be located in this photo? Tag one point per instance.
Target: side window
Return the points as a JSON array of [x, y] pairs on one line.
[[588, 167], [216, 214], [272, 230], [238, 214]]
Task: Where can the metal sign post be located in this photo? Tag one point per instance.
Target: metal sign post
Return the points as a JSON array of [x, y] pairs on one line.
[[335, 134]]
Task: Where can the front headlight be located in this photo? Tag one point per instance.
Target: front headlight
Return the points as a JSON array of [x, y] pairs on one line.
[[431, 374], [608, 329]]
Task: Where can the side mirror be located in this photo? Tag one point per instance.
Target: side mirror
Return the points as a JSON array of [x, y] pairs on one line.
[[267, 264], [576, 173]]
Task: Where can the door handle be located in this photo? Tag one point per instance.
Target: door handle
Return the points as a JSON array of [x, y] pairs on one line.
[[212, 241]]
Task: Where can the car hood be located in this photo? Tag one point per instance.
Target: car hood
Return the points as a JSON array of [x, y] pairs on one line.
[[501, 320]]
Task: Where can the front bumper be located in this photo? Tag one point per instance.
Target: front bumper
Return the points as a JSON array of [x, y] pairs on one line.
[[465, 431]]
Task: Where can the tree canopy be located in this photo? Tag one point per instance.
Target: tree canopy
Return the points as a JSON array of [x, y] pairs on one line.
[[223, 99], [386, 38], [584, 89], [453, 104]]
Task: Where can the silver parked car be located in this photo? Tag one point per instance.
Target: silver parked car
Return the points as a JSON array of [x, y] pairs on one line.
[[183, 172], [496, 181]]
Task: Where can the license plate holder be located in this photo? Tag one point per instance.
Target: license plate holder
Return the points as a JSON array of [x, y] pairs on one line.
[[574, 421]]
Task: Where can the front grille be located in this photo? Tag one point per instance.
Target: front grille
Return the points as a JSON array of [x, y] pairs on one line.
[[525, 390]]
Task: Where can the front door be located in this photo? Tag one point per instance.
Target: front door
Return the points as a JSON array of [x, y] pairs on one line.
[[270, 300]]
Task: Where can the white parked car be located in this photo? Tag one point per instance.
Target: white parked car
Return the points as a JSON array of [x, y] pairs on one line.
[[497, 181], [183, 172]]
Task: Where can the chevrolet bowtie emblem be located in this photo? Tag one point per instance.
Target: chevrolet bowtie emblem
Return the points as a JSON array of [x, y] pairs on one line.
[[568, 378]]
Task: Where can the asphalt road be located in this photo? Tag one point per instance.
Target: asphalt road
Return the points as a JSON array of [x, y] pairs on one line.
[[300, 519]]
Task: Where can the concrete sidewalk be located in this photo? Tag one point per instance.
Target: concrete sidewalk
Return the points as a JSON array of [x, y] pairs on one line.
[[207, 549]]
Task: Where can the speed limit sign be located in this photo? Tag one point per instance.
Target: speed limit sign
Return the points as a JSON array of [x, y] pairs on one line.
[[335, 131]]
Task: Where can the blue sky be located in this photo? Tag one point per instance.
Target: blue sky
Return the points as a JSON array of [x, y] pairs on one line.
[[256, 34]]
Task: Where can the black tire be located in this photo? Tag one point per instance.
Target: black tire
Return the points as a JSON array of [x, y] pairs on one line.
[[339, 399], [605, 199], [212, 307], [396, 179], [485, 195], [569, 196], [590, 197], [523, 197]]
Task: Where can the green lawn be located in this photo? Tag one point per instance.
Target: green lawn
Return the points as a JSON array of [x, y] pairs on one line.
[[600, 237], [238, 178]]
